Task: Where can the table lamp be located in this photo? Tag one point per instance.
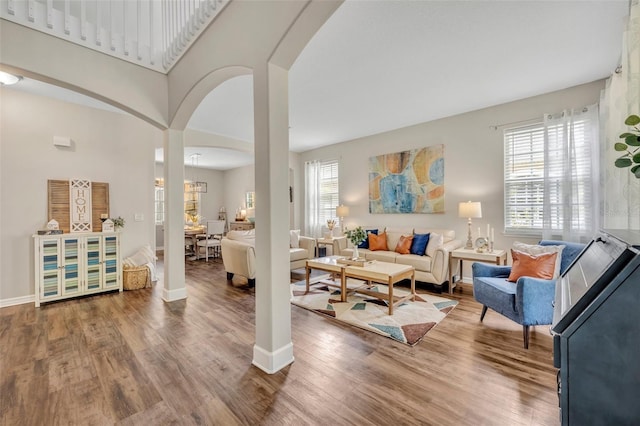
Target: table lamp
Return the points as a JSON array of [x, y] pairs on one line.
[[342, 212], [470, 210]]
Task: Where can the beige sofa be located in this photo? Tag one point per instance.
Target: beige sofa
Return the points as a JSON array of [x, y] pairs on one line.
[[431, 269], [239, 255]]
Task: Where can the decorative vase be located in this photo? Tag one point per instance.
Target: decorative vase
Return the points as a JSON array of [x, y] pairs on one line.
[[355, 253]]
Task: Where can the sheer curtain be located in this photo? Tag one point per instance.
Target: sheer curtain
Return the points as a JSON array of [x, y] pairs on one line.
[[570, 207], [312, 224], [619, 99]]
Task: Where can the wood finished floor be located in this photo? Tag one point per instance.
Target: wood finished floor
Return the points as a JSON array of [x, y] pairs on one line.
[[131, 359]]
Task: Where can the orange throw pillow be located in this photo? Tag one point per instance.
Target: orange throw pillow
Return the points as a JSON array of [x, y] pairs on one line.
[[404, 244], [526, 265], [378, 242]]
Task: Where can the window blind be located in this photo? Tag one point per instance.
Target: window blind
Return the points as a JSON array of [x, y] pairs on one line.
[[329, 196], [524, 178], [548, 176]]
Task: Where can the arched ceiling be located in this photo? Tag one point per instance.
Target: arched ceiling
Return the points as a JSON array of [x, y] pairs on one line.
[[378, 66]]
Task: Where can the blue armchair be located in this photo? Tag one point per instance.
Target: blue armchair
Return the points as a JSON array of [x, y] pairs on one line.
[[529, 301]]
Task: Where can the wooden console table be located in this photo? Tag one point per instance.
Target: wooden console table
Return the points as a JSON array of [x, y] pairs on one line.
[[241, 226]]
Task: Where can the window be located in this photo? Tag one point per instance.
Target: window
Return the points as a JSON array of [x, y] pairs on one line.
[[159, 201], [550, 176], [322, 196], [329, 196], [524, 178], [191, 203]]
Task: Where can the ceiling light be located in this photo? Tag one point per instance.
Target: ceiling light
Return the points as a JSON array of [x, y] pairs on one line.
[[8, 79]]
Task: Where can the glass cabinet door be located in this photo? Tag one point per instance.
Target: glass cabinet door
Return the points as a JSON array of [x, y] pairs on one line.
[[70, 266], [50, 274], [110, 261], [93, 263]]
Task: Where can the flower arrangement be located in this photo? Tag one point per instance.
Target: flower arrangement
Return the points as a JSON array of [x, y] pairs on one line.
[[631, 139], [118, 222], [331, 223], [194, 218], [356, 236]]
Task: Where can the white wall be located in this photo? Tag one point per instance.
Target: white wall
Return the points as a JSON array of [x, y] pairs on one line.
[[473, 161], [213, 199], [107, 147], [237, 182]]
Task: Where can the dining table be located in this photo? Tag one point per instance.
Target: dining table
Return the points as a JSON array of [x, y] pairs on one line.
[[192, 232]]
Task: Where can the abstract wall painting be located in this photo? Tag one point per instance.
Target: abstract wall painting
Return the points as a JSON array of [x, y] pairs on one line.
[[408, 181]]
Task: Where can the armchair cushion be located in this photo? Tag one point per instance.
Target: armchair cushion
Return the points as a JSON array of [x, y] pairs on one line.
[[541, 249], [536, 266], [294, 238]]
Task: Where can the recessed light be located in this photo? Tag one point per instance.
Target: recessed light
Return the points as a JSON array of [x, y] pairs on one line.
[[7, 79]]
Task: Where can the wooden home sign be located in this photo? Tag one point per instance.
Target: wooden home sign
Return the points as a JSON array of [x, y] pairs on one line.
[[80, 205], [79, 209]]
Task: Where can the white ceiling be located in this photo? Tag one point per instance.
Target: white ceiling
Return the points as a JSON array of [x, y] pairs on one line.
[[381, 65]]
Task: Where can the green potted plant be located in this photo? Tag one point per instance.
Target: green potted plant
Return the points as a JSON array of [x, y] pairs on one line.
[[630, 147], [356, 236], [118, 222]]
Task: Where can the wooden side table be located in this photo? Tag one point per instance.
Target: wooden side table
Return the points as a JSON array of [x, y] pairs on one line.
[[498, 257], [324, 242]]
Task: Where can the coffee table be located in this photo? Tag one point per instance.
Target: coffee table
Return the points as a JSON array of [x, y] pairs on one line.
[[385, 273], [329, 264]]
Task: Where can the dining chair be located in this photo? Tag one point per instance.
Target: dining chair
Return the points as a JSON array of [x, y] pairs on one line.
[[211, 240]]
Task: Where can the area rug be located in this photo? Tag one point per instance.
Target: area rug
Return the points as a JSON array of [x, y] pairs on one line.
[[409, 323]]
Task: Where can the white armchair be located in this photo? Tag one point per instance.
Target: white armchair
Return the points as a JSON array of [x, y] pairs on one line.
[[239, 255]]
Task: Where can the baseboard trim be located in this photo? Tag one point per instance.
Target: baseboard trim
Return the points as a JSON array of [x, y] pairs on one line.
[[5, 303], [272, 362], [173, 295]]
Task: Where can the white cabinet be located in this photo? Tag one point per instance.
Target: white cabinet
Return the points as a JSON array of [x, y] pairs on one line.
[[69, 265]]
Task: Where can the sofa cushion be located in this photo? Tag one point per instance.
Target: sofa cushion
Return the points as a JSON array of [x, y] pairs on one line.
[[419, 244], [447, 234], [378, 242], [394, 234], [365, 243], [383, 256], [436, 241], [298, 254], [421, 263], [536, 266], [404, 244]]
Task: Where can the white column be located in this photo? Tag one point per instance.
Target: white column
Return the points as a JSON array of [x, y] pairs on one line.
[[273, 349], [174, 287]]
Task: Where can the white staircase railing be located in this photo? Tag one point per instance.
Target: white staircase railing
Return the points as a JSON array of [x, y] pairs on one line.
[[150, 33]]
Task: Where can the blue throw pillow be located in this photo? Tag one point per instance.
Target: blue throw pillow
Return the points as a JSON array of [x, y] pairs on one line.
[[365, 243], [419, 244]]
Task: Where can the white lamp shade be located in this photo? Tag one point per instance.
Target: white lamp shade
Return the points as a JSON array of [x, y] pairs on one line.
[[470, 209], [342, 211]]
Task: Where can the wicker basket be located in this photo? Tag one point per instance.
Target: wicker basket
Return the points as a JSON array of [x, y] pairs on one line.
[[136, 277]]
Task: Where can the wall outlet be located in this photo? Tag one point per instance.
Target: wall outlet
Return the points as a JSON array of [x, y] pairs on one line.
[[139, 217]]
